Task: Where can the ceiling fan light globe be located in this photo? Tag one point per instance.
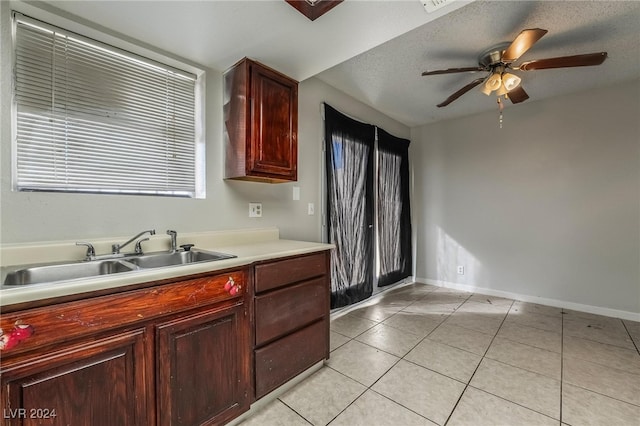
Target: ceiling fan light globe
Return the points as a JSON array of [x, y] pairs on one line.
[[510, 81], [484, 89], [502, 90], [493, 82]]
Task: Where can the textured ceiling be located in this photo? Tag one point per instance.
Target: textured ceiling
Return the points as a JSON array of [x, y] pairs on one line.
[[376, 50], [217, 33], [388, 77]]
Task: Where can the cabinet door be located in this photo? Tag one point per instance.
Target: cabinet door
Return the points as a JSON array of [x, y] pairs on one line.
[[97, 383], [203, 367], [274, 128]]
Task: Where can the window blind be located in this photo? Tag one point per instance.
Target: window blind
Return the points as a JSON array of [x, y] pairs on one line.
[[94, 118]]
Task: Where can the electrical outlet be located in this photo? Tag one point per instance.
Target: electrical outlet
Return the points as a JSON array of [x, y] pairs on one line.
[[460, 270], [255, 209], [296, 193]]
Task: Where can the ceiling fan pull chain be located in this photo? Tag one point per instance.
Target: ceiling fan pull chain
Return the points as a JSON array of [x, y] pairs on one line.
[[500, 108]]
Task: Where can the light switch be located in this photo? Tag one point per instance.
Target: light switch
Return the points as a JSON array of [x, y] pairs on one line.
[[311, 209]]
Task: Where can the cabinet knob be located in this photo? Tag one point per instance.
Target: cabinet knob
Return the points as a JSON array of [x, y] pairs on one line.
[[20, 333], [231, 287]]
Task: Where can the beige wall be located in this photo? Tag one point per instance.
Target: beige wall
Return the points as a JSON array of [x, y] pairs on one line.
[[548, 206], [27, 217]]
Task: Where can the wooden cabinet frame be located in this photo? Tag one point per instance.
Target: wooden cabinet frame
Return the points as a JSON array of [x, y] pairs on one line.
[[174, 352], [291, 339], [260, 124], [113, 354]]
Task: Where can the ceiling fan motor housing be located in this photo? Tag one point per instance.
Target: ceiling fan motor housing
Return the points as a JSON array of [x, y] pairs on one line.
[[492, 57]]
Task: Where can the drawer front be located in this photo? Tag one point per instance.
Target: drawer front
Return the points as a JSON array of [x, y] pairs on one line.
[[280, 273], [66, 321], [284, 359], [282, 311]]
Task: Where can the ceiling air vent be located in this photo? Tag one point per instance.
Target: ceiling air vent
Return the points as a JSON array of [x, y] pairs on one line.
[[433, 5]]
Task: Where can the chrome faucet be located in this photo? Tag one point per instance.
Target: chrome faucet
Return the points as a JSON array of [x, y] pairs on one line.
[[115, 248], [91, 252], [174, 237], [138, 248]]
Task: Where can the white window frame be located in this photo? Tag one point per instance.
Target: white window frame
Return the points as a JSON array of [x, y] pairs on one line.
[[145, 56]]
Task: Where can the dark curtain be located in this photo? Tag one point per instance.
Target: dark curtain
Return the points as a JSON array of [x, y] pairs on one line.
[[394, 211], [349, 162]]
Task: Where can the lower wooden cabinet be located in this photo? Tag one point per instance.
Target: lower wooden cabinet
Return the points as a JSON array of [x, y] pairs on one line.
[[203, 367], [171, 354], [195, 351], [291, 308], [100, 382]]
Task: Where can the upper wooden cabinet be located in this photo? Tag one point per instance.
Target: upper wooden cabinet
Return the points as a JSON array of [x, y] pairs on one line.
[[261, 124]]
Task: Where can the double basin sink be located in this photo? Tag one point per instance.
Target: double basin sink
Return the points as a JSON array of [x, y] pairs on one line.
[[92, 268]]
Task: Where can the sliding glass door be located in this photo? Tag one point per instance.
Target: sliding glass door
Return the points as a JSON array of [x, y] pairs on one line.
[[393, 210], [368, 212], [349, 147]]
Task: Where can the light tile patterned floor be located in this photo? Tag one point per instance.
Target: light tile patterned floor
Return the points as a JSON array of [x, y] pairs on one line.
[[424, 355]]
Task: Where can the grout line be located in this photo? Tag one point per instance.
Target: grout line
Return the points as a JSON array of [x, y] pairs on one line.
[[514, 403], [397, 403], [605, 343], [352, 402], [366, 387], [445, 317], [533, 346], [475, 370], [393, 365], [292, 409], [631, 337], [443, 320], [604, 395]]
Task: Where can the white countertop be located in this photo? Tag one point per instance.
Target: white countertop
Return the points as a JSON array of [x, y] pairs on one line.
[[249, 247]]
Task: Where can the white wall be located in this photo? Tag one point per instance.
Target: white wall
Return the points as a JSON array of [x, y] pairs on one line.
[[548, 206], [28, 217], [312, 93]]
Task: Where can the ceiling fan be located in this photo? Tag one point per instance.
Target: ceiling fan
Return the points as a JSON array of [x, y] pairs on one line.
[[499, 60]]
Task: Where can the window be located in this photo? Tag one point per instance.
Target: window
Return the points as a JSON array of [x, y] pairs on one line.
[[90, 117]]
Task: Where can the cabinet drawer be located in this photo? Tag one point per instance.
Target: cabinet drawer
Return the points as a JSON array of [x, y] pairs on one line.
[[284, 359], [71, 320], [282, 311], [278, 274]]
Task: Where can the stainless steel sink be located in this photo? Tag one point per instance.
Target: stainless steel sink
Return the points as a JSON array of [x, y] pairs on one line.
[[49, 273], [158, 260], [66, 271]]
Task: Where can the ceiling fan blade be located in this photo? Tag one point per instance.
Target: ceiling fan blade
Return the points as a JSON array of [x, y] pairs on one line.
[[585, 60], [461, 92], [517, 95], [453, 70], [522, 43]]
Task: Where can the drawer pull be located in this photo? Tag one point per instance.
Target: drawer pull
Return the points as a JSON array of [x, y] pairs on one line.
[[231, 287], [19, 334]]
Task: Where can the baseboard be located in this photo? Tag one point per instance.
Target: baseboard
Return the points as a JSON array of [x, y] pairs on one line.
[[633, 316]]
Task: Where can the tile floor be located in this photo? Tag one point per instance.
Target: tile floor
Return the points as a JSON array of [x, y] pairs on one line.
[[424, 355]]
